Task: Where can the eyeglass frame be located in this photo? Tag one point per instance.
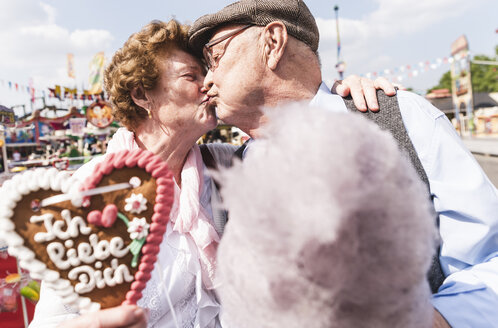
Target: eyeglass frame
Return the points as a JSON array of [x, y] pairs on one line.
[[206, 50]]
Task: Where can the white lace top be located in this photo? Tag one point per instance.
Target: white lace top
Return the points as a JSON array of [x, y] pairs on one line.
[[177, 273]]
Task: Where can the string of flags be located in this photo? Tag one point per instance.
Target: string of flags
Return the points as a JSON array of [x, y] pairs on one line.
[[57, 91], [95, 80], [398, 74], [68, 93]]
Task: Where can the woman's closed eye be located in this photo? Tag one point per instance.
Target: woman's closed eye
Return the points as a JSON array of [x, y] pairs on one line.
[[190, 76]]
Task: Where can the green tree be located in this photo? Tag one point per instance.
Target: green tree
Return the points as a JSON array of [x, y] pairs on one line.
[[444, 82], [484, 77]]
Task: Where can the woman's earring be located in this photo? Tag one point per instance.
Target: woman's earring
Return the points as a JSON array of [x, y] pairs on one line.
[[148, 113]]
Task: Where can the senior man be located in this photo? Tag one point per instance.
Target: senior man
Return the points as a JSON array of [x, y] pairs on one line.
[[262, 53]]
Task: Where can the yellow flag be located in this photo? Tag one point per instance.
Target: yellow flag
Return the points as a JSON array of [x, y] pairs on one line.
[[58, 91], [70, 91], [96, 77]]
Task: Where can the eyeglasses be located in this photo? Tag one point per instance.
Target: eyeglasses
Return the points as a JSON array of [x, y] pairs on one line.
[[212, 63]]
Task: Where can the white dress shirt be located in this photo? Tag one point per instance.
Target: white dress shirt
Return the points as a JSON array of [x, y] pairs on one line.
[[467, 203]]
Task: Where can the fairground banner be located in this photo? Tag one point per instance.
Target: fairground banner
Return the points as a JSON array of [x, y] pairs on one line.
[[77, 126], [96, 77], [461, 82], [70, 66]]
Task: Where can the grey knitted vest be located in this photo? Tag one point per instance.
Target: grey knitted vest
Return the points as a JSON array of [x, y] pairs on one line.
[[389, 119]]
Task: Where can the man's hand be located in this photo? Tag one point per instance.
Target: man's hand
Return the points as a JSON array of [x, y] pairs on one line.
[[363, 91], [439, 321], [129, 316]]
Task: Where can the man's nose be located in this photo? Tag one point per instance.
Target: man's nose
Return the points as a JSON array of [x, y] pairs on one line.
[[208, 81]]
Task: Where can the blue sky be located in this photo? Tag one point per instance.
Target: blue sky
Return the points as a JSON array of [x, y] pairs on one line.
[[376, 35]]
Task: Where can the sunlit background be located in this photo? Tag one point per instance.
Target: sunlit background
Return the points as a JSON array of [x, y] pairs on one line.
[[406, 41]]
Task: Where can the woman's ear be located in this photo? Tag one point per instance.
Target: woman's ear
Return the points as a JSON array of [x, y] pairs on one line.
[[140, 97], [275, 41]]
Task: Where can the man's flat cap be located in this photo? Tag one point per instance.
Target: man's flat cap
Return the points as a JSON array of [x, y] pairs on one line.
[[295, 15]]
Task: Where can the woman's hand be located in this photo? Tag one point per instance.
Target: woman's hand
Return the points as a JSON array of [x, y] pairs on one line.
[[129, 316], [362, 89]]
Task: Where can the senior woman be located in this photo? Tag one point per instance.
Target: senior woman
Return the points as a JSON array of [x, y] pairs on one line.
[[156, 88]]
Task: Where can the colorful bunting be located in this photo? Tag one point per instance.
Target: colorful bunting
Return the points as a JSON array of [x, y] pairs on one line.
[[401, 72], [394, 74]]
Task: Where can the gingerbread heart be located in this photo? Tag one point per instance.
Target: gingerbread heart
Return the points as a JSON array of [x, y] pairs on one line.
[[96, 243]]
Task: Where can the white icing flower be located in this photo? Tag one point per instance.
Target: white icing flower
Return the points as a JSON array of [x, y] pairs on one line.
[[136, 203], [138, 228]]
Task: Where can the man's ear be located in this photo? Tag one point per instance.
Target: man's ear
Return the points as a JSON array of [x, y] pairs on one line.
[[140, 97], [275, 41]]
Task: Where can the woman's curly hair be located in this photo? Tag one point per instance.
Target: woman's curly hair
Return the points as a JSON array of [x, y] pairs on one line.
[[136, 64]]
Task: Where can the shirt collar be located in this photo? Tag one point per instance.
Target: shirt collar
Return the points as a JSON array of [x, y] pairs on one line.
[[324, 98]]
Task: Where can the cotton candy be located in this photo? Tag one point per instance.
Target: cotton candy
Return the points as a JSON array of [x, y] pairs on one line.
[[329, 226]]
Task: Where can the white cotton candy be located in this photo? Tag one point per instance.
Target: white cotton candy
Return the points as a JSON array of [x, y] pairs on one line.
[[329, 226]]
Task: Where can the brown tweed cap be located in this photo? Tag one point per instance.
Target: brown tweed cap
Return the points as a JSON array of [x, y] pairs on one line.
[[295, 15]]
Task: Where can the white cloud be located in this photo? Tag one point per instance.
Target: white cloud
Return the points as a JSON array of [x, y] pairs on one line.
[[50, 11], [36, 46], [46, 32], [394, 16], [83, 39], [14, 14], [363, 40]]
